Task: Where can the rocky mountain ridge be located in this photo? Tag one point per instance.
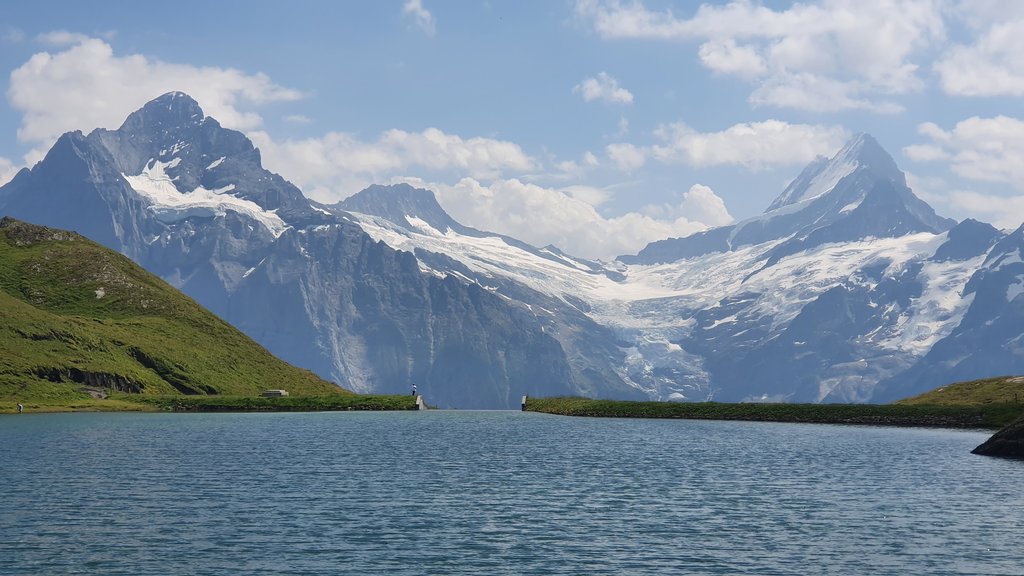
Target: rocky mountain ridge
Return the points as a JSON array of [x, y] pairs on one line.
[[849, 288]]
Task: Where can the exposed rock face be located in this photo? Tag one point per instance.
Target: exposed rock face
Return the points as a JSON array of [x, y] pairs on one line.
[[848, 288], [1006, 443], [190, 201]]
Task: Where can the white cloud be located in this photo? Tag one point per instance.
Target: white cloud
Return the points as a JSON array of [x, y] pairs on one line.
[[542, 216], [985, 149], [421, 16], [298, 119], [753, 145], [571, 169], [61, 38], [625, 156], [990, 66], [815, 93], [1002, 211], [798, 57], [87, 86], [605, 88], [726, 57], [700, 203], [589, 194], [7, 170], [329, 166], [925, 153]]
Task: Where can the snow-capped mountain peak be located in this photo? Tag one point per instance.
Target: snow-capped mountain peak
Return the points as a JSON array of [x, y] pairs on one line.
[[858, 193], [822, 175], [849, 288], [399, 204]]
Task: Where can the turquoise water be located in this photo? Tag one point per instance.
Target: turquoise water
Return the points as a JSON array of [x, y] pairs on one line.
[[497, 493]]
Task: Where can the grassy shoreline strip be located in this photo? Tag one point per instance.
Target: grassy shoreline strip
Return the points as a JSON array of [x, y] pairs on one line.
[[214, 403], [284, 404], [985, 416]]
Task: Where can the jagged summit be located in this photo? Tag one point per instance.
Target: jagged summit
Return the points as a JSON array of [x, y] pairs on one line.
[[399, 202], [171, 111], [858, 193], [845, 286], [171, 164], [862, 152]]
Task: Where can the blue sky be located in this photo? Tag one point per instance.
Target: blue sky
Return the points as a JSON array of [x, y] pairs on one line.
[[597, 125]]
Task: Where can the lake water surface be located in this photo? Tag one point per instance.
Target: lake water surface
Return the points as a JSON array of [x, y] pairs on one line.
[[497, 493]]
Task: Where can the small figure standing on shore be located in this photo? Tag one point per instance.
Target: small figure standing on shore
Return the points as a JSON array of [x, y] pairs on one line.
[[20, 408], [413, 389]]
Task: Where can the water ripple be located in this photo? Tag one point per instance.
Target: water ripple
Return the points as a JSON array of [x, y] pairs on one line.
[[496, 493]]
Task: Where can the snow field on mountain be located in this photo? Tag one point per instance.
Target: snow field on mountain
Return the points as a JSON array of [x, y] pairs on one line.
[[170, 205]]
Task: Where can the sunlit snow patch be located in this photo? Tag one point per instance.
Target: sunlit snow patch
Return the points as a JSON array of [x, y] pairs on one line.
[[171, 205]]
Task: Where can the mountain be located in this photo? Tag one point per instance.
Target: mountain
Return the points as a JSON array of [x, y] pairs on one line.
[[536, 281], [847, 285], [76, 315], [848, 288], [858, 193], [987, 341], [189, 200]]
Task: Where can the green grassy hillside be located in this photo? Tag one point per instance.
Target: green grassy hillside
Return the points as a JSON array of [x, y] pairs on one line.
[[952, 416], [76, 317], [1004, 390]]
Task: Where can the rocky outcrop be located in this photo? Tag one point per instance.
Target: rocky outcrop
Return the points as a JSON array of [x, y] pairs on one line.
[[1006, 443]]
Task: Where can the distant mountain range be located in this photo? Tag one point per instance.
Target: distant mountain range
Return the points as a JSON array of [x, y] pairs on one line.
[[848, 288]]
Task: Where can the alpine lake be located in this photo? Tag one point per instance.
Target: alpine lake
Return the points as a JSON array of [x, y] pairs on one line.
[[442, 492]]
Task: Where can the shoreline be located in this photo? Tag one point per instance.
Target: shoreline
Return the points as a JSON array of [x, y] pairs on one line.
[[988, 417], [127, 403]]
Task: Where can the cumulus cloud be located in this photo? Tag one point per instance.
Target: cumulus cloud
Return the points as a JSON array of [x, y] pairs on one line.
[[571, 169], [422, 17], [348, 161], [86, 86], [7, 170], [989, 66], [700, 203], [755, 145], [815, 93], [925, 153], [61, 38], [590, 194], [1001, 210], [543, 216], [803, 56], [984, 149], [625, 156], [724, 56], [605, 88]]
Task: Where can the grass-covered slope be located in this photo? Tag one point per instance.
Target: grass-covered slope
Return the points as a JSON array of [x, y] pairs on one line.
[[1004, 390], [989, 416], [76, 316]]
